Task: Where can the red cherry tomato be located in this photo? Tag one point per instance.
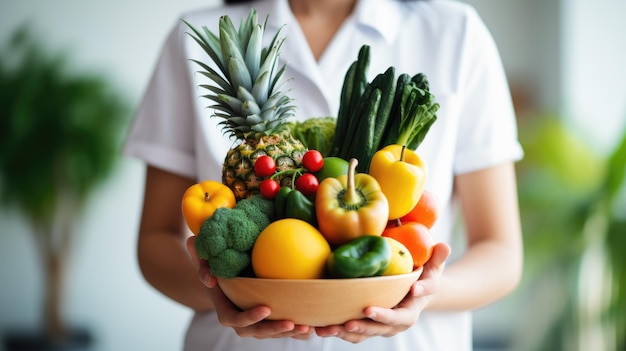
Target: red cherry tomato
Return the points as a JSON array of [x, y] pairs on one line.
[[264, 166], [313, 160], [269, 189], [307, 184]]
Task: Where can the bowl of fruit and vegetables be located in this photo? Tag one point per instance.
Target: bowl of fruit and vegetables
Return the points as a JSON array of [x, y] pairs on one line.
[[316, 219]]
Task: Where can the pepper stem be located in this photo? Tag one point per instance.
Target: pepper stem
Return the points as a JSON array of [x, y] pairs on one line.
[[351, 196], [207, 197], [402, 153]]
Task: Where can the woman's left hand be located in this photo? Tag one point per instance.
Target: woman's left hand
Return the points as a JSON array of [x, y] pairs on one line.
[[389, 322]]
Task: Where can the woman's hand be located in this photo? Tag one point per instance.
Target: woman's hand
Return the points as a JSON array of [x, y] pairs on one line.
[[389, 322], [249, 323]]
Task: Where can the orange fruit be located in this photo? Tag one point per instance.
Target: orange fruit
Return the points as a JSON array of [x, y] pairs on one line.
[[417, 239], [426, 211], [290, 249], [401, 260], [202, 199]]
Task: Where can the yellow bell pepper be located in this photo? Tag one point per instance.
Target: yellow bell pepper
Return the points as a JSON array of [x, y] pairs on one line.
[[350, 206], [401, 174], [202, 199]]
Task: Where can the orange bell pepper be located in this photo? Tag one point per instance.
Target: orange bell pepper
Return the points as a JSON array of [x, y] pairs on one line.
[[350, 206], [201, 200], [401, 174]]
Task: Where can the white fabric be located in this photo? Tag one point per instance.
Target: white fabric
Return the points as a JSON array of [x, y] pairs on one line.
[[475, 129]]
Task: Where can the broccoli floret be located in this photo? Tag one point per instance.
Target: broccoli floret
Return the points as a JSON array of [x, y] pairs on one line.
[[229, 263], [207, 244], [259, 209], [226, 238], [242, 231]]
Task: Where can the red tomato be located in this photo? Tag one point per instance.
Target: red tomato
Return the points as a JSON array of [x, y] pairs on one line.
[[269, 189], [313, 161], [417, 239], [264, 166], [426, 211], [307, 184]]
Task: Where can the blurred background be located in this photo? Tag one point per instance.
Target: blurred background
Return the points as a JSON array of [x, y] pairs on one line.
[[565, 63]]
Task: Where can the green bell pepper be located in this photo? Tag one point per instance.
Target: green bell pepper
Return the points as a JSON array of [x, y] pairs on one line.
[[365, 256], [291, 203]]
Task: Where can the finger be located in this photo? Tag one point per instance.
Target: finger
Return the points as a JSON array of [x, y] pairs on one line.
[[191, 248], [204, 271], [397, 319], [331, 330], [441, 252], [360, 329], [251, 322], [278, 329], [230, 316], [304, 335], [356, 331], [428, 282], [266, 329]]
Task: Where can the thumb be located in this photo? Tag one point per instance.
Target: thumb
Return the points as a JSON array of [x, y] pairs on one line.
[[191, 249], [441, 252], [204, 271]]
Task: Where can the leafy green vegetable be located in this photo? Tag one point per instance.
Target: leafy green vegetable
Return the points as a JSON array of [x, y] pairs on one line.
[[315, 133], [418, 111]]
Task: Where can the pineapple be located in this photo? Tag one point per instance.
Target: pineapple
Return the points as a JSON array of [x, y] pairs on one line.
[[249, 97]]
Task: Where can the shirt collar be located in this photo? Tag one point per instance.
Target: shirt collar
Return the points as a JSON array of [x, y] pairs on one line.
[[383, 16]]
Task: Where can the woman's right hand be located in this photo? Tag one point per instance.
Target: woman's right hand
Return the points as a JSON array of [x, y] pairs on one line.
[[248, 323]]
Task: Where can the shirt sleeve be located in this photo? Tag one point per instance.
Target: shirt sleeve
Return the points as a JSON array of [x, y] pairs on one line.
[[487, 127], [162, 134]]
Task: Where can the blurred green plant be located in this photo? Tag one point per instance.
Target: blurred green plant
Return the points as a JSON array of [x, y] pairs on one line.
[[60, 134], [574, 218]]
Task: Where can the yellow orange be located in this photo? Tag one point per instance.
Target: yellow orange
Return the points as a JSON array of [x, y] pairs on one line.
[[401, 259], [290, 249]]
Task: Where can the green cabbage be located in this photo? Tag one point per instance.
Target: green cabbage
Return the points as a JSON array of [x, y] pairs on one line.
[[315, 133]]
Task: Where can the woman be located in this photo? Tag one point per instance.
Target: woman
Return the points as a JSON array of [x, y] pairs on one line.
[[470, 151]]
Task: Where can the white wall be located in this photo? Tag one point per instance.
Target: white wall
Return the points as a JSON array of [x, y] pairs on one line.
[[594, 69]]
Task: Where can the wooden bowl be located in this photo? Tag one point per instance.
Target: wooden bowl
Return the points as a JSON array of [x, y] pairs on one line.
[[318, 302]]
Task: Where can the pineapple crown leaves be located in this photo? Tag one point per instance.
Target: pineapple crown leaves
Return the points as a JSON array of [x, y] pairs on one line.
[[247, 91]]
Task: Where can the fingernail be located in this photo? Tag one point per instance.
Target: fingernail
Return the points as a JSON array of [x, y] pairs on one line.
[[353, 329], [206, 279]]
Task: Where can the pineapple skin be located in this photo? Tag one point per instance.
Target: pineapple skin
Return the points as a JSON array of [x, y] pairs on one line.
[[238, 167]]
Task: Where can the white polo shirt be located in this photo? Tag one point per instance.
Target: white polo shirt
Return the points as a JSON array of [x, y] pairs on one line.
[[475, 128]]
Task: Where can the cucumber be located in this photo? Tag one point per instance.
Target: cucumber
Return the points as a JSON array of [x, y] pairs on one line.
[[353, 87], [360, 77], [392, 129], [364, 140], [343, 116], [386, 111], [356, 122], [386, 82]]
